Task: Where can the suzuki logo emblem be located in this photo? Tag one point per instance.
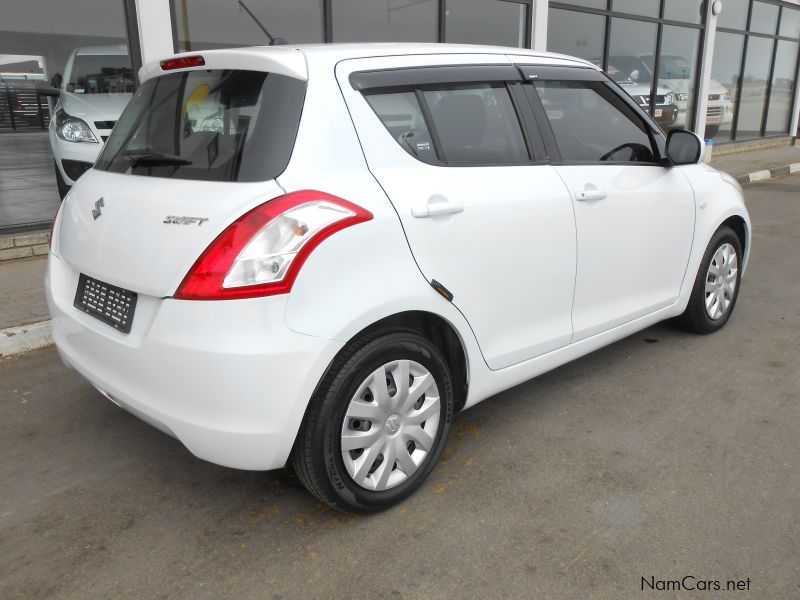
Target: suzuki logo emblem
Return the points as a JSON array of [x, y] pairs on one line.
[[96, 211], [392, 424]]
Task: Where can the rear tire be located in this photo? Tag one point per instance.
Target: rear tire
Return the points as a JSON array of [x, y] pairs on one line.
[[377, 423], [63, 188], [716, 286]]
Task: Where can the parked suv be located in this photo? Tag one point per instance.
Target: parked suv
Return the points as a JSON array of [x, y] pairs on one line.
[[666, 111], [316, 255], [97, 85], [676, 74]]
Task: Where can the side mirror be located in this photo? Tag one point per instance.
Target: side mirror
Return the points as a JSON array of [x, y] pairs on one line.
[[49, 92], [635, 75], [684, 147]]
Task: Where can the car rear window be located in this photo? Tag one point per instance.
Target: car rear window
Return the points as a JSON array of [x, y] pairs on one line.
[[465, 124], [210, 125], [402, 115], [477, 123]]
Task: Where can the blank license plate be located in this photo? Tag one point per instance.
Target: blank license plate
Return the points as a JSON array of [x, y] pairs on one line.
[[108, 303]]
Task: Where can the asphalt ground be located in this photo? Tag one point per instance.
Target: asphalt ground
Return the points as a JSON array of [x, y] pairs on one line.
[[663, 456]]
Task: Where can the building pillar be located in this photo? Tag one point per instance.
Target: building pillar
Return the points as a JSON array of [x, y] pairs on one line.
[[701, 107], [795, 120], [154, 19], [539, 25]]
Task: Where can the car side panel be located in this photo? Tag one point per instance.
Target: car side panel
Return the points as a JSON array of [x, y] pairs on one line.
[[364, 291], [363, 273]]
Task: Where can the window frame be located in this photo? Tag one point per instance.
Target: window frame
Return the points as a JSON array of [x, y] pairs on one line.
[[621, 101], [432, 78], [529, 109]]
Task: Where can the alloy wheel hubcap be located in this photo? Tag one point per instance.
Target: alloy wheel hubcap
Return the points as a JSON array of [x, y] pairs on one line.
[[390, 425], [721, 281]]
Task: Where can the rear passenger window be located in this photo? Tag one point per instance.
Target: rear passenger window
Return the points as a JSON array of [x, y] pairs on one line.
[[476, 123], [591, 124], [402, 116], [471, 123]]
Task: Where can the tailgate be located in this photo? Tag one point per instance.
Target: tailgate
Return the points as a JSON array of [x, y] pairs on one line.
[[144, 233]]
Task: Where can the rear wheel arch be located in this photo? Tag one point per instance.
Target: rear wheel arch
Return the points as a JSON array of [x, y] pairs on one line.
[[443, 335], [431, 326]]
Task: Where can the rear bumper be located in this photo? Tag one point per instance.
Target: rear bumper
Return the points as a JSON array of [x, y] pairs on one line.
[[228, 379]]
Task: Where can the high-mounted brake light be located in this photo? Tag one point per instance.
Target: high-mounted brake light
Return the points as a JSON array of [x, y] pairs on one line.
[[182, 62], [261, 253]]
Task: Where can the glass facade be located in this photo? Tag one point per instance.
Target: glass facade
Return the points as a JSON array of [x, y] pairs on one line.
[[485, 22], [726, 64], [370, 21], [782, 88], [577, 34], [655, 47], [641, 45], [753, 87], [68, 61], [647, 8], [763, 37], [203, 24]]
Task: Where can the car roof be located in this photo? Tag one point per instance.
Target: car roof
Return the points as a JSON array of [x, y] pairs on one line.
[[295, 60], [349, 51]]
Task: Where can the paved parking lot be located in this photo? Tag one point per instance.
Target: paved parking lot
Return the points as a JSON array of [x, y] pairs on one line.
[[662, 456]]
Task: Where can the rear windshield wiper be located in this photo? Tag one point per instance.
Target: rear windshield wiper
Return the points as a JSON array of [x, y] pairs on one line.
[[153, 159]]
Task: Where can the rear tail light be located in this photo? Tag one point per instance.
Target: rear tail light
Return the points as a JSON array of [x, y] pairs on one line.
[[261, 252], [182, 62]]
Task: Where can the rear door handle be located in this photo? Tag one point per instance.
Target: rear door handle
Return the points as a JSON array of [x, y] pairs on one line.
[[436, 209], [589, 195]]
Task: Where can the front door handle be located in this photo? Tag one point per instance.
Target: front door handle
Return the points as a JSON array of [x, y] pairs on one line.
[[435, 209], [589, 195]]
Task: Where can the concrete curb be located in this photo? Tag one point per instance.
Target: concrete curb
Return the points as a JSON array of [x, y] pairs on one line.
[[15, 340], [769, 173]]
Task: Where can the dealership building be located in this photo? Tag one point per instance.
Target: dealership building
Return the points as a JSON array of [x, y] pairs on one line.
[[727, 69]]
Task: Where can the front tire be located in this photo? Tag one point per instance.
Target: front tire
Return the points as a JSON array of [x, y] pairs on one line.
[[377, 423], [716, 286]]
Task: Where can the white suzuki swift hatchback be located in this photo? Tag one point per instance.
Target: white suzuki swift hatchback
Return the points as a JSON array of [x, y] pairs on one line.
[[315, 255]]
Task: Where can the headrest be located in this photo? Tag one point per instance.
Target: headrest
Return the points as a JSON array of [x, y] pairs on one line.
[[460, 119]]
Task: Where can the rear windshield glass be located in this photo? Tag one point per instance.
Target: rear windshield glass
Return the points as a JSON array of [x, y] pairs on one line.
[[215, 125]]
